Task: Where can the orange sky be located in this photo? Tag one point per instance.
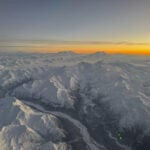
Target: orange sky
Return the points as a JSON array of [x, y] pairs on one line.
[[111, 49], [81, 47], [83, 26]]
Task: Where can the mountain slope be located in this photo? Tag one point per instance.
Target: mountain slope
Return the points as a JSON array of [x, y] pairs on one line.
[[105, 99]]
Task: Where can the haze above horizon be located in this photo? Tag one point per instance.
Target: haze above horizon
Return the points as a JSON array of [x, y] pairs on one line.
[[86, 26]]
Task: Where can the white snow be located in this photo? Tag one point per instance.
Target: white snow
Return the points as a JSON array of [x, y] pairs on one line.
[[23, 128], [48, 78], [83, 130]]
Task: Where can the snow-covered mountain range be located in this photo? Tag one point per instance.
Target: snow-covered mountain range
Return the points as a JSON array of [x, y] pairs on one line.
[[68, 101]]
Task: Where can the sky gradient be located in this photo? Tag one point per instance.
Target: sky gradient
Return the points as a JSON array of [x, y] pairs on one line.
[[84, 26]]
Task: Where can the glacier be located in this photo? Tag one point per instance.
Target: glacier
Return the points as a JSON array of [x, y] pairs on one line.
[[69, 101]]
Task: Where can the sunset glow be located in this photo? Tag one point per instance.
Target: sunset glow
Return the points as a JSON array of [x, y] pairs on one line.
[[86, 49], [87, 26]]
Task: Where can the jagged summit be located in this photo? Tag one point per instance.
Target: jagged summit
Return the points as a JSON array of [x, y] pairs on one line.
[[67, 52]]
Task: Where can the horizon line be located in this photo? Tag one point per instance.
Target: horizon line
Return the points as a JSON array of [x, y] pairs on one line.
[[74, 52], [54, 41]]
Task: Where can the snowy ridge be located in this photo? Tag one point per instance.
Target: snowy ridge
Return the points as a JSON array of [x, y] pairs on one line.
[[83, 130], [100, 96], [19, 131]]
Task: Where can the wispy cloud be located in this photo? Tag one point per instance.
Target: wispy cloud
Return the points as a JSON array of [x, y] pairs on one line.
[[43, 42]]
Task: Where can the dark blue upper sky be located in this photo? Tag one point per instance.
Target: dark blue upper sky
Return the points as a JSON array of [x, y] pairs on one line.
[[75, 20]]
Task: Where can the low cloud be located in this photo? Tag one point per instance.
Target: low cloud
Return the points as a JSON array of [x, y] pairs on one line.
[[27, 43]]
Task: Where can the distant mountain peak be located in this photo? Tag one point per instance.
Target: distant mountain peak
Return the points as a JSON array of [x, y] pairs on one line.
[[100, 53], [67, 52]]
